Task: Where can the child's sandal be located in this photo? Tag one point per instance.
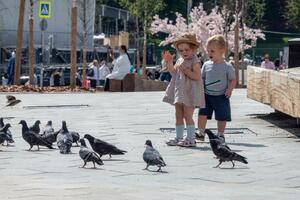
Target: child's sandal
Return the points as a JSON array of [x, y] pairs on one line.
[[173, 142], [187, 143]]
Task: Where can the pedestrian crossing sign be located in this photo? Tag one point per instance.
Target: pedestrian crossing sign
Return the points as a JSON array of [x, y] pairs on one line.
[[44, 9]]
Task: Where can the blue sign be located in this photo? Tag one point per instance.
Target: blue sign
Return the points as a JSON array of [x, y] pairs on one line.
[[44, 9]]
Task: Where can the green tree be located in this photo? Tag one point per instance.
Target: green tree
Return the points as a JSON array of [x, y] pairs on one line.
[[254, 13], [292, 14], [143, 10]]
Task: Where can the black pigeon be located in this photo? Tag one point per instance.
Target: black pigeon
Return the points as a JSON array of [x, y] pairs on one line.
[[87, 155], [9, 137], [103, 148], [12, 101], [32, 138], [36, 127], [49, 134], [75, 137], [223, 152], [152, 157], [4, 136], [64, 139]]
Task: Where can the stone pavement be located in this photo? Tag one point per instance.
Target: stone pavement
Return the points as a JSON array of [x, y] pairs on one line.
[[127, 120]]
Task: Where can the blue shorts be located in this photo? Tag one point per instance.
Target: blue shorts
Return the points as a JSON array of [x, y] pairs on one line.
[[218, 104]]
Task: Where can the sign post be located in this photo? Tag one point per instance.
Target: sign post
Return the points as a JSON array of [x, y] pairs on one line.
[[44, 13]]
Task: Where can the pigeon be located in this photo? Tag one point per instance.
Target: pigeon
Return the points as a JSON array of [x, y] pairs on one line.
[[152, 157], [32, 138], [36, 127], [4, 135], [49, 134], [9, 136], [75, 137], [219, 140], [103, 148], [223, 152], [87, 155], [64, 139], [11, 100]]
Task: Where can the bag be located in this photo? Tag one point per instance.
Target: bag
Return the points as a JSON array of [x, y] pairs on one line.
[[91, 72]]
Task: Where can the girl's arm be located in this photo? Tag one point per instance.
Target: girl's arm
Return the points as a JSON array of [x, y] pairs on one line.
[[169, 61], [194, 73]]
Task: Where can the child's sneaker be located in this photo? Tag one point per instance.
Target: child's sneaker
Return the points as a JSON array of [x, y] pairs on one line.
[[173, 142], [187, 143], [199, 136]]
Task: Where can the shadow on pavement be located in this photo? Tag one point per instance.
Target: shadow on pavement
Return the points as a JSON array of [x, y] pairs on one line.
[[282, 121]]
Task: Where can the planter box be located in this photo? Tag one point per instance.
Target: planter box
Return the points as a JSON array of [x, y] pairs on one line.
[[279, 89]]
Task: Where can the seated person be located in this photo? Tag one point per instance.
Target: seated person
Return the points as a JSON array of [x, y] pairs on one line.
[[122, 67]]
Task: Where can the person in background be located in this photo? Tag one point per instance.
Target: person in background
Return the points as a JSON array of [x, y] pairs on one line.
[[267, 63], [5, 79], [121, 67], [164, 73], [277, 63], [11, 68], [57, 77], [103, 72], [93, 74]]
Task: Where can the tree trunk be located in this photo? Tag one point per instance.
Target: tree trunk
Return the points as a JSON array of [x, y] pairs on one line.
[[31, 47], [236, 43], [145, 43], [84, 41], [138, 61], [73, 45], [19, 43]]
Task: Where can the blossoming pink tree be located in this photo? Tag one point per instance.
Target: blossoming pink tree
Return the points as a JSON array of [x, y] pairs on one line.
[[204, 25]]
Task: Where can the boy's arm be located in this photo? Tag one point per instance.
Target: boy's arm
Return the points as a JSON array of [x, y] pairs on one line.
[[231, 86], [194, 74]]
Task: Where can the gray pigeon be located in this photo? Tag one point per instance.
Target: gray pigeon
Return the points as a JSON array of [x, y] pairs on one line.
[[64, 139], [9, 137], [36, 127], [87, 155], [152, 157], [48, 133], [222, 151]]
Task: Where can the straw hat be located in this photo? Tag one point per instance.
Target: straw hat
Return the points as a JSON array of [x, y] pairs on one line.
[[188, 38]]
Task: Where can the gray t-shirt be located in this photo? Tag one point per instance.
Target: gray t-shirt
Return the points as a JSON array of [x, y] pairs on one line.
[[216, 77]]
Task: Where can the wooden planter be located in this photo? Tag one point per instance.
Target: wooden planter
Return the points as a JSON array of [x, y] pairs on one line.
[[279, 89]]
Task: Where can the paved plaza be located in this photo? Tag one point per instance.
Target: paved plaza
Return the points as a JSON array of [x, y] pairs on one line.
[[127, 120]]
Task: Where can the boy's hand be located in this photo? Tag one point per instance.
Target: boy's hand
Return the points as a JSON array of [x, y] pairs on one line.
[[228, 93]]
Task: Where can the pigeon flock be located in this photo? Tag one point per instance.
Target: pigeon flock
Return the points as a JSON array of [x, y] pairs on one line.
[[64, 140]]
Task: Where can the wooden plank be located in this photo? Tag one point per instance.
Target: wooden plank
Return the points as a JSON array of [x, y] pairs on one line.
[[285, 92], [279, 89], [258, 83]]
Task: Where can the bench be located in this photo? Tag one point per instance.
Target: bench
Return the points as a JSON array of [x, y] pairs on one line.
[[134, 82]]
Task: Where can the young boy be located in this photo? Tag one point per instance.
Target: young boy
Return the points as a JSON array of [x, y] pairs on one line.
[[219, 81]]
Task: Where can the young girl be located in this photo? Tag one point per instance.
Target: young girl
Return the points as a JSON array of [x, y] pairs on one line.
[[185, 90], [219, 80]]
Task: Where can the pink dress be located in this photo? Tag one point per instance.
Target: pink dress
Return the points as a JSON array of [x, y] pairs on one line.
[[184, 90]]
